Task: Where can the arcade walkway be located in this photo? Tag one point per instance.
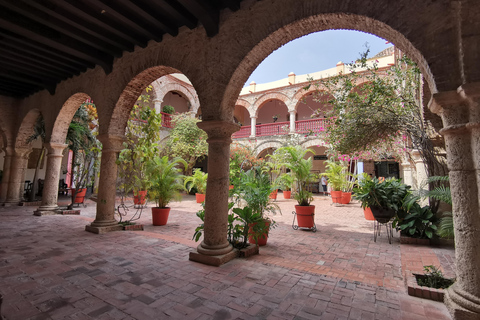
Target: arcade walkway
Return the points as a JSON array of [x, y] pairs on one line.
[[50, 268]]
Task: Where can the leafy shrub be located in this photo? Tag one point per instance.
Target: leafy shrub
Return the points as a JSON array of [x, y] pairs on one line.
[[433, 278]]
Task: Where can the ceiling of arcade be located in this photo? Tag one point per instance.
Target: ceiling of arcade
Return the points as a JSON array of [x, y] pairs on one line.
[[111, 50]]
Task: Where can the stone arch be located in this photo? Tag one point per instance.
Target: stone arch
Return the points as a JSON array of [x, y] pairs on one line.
[[26, 128], [313, 142], [267, 97], [242, 111], [129, 95], [247, 105], [166, 84], [307, 23], [275, 144], [65, 116]]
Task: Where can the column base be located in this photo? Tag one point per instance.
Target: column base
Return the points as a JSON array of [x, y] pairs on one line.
[[46, 211], [214, 255], [461, 304], [100, 227], [11, 203]]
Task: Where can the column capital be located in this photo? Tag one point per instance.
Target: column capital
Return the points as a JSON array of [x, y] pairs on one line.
[[219, 131], [111, 143], [55, 148], [9, 150], [22, 152]]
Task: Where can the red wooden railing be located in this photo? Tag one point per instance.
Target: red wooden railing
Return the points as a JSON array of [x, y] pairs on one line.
[[166, 120], [279, 128], [311, 125], [272, 129], [244, 132]]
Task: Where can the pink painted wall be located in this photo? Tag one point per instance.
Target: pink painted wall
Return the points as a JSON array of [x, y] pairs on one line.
[[268, 109], [180, 104]]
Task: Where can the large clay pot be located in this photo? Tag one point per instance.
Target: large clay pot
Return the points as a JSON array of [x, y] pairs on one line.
[[336, 196], [367, 212], [287, 194], [80, 196], [273, 195], [200, 197], [140, 197], [262, 239], [305, 216], [346, 197], [160, 216]]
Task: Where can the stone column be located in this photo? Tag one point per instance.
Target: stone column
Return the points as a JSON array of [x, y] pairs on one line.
[[292, 121], [215, 249], [158, 105], [253, 128], [105, 219], [50, 186], [460, 114], [7, 162], [17, 175]]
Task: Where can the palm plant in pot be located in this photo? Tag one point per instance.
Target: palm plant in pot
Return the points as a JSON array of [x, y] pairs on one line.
[[336, 179], [197, 180], [301, 170], [164, 185], [254, 190], [285, 181]]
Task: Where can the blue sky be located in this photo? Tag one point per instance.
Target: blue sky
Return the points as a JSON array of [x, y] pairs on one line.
[[316, 52]]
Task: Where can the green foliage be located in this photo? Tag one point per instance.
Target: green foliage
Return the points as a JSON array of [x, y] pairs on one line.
[[445, 226], [418, 222], [433, 278], [335, 172], [301, 168], [285, 181], [141, 145], [186, 140], [248, 217], [168, 109], [254, 189], [197, 180], [165, 180], [388, 194], [242, 158]]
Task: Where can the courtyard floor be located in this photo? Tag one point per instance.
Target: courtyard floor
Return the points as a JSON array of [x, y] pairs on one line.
[[50, 268]]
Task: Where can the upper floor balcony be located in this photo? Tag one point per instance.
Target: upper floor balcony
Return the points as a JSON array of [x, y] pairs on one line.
[[281, 128]]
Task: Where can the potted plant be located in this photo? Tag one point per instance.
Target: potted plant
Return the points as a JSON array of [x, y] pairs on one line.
[[285, 181], [168, 109], [385, 199], [165, 184], [335, 172], [254, 189], [301, 169], [199, 181]]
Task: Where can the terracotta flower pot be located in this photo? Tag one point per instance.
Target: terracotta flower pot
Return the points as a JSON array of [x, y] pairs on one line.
[[160, 216], [262, 239], [367, 212], [273, 195], [80, 196], [336, 196], [346, 197], [287, 194], [140, 197], [305, 216], [200, 197]]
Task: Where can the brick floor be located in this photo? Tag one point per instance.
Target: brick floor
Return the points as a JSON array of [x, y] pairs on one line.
[[50, 268]]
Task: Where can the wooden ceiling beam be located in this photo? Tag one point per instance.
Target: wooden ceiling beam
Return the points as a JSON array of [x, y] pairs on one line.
[[206, 14]]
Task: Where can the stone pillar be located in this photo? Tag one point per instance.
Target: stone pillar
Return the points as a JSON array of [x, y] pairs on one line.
[[7, 162], [105, 219], [16, 182], [253, 128], [157, 105], [293, 113], [50, 186], [215, 249], [460, 114]]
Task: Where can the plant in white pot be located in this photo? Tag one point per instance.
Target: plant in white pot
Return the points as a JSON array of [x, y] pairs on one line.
[[165, 185]]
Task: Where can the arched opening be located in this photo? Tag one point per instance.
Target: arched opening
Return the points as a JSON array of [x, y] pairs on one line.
[[272, 118]]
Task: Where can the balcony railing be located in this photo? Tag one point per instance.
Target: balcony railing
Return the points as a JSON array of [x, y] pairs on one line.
[[280, 128], [166, 120]]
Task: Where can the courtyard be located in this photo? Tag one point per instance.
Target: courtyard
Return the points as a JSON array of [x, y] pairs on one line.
[[50, 268]]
